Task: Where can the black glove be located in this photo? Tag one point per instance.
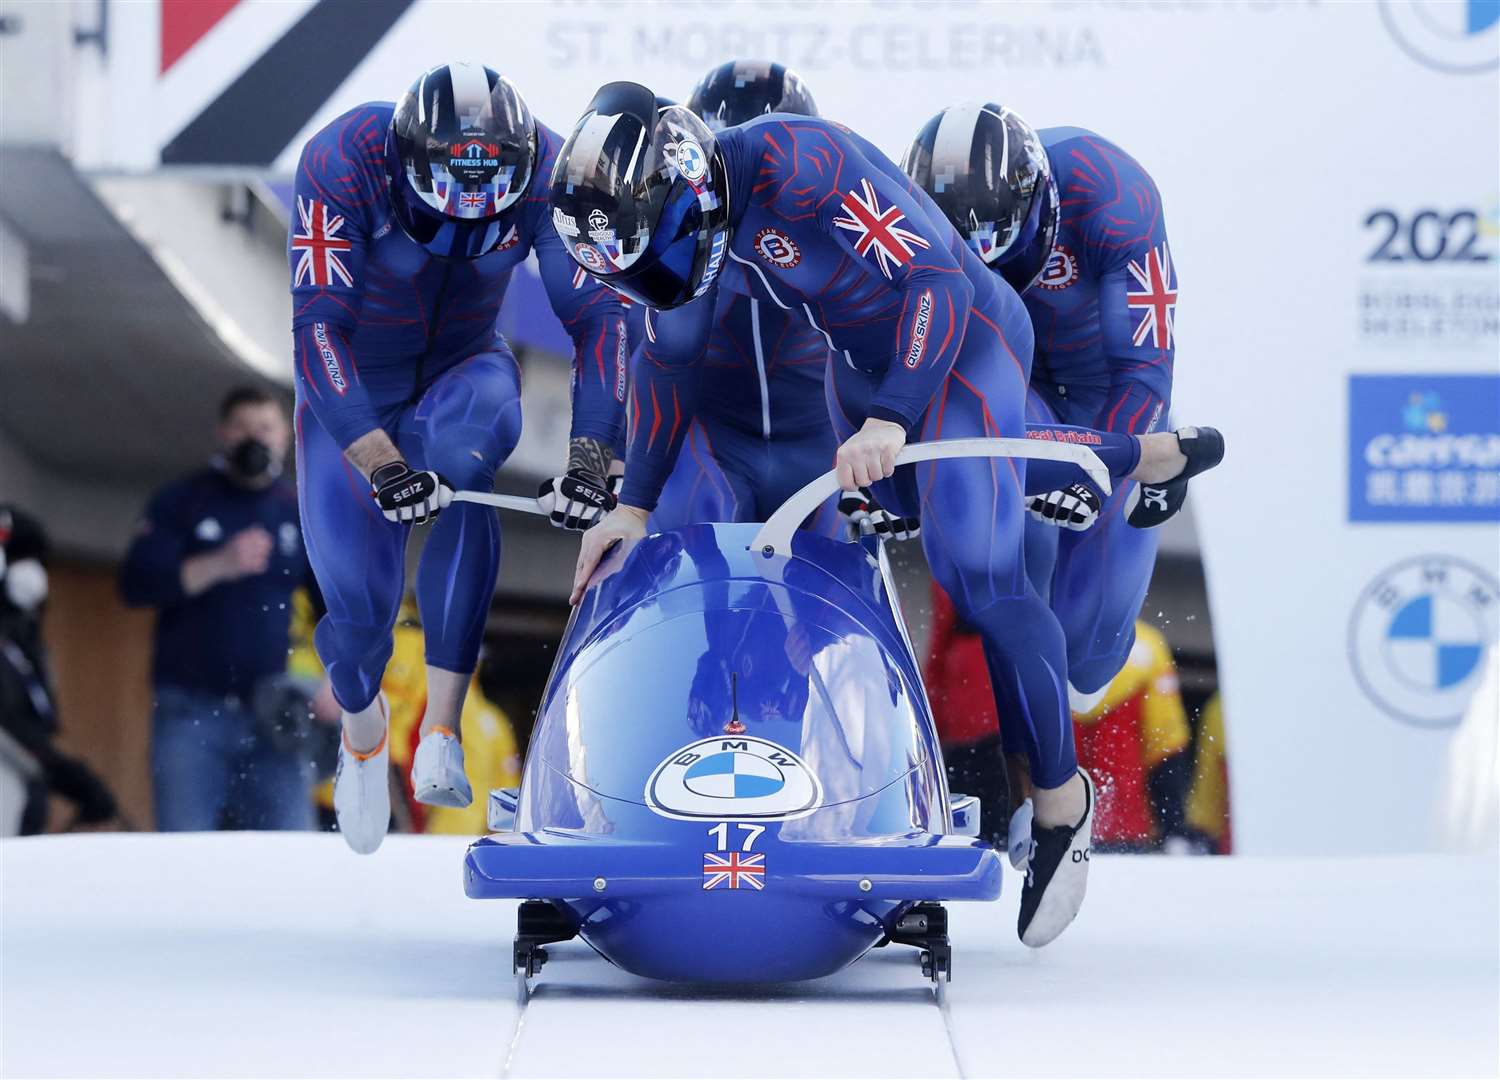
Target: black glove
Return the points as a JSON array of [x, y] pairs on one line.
[[577, 499], [1074, 507], [868, 518], [407, 496]]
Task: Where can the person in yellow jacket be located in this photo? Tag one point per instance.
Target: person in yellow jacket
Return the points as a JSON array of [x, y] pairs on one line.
[[1208, 798], [491, 760]]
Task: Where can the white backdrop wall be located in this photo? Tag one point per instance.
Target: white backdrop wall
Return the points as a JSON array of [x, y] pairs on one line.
[[1352, 551]]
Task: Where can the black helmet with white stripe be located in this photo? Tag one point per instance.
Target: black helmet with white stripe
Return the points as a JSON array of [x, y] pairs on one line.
[[741, 90], [986, 168], [640, 197], [461, 152]]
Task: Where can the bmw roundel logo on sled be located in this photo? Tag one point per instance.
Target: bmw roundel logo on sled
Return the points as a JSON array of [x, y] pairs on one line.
[[733, 777]]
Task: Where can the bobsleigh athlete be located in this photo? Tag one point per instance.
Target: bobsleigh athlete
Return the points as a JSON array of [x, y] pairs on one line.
[[803, 214], [1075, 225], [409, 220], [760, 429]]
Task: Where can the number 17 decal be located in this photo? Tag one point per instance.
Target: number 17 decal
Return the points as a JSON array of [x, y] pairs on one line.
[[720, 833]]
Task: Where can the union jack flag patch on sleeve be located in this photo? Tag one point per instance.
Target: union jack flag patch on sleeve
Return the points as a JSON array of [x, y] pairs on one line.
[[1156, 298], [317, 239], [878, 230]]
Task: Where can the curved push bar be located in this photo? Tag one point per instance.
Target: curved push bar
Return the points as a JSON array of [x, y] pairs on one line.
[[521, 503], [775, 536]]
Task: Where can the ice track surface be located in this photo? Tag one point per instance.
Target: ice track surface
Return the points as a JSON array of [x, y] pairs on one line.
[[285, 955]]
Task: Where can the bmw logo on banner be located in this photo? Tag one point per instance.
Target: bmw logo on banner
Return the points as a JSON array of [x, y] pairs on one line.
[[1418, 636], [1459, 36], [733, 777]]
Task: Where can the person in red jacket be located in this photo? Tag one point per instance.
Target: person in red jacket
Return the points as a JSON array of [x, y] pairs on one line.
[[963, 705], [1134, 742]]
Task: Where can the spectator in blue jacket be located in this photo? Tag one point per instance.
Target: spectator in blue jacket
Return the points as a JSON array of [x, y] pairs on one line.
[[218, 554]]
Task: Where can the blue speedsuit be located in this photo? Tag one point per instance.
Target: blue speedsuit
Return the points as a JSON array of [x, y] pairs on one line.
[[760, 430], [389, 336], [1102, 313]]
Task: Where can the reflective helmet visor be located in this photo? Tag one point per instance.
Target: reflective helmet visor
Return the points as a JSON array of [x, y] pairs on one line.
[[638, 198]]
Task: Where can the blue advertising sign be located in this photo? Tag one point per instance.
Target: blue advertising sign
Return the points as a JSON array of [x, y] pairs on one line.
[[1424, 448]]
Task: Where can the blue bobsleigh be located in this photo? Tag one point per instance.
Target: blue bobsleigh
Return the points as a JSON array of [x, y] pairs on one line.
[[734, 776]]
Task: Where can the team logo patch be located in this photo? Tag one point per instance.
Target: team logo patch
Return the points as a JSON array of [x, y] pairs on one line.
[[317, 241], [1061, 270], [777, 248], [1418, 634], [731, 778], [692, 162], [1156, 298], [733, 871], [509, 240], [878, 230], [589, 256]]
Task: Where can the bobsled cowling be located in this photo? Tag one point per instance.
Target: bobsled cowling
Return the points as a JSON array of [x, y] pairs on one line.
[[734, 775]]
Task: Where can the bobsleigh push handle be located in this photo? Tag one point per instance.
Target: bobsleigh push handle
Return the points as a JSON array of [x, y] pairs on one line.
[[775, 536]]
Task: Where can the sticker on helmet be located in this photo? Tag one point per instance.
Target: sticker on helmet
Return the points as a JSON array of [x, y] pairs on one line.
[[777, 248], [599, 226], [589, 256], [715, 261], [564, 223], [473, 160], [733, 778], [691, 161]]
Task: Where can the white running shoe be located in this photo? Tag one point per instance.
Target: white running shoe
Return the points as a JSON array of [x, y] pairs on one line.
[[437, 771], [1057, 877], [362, 795]]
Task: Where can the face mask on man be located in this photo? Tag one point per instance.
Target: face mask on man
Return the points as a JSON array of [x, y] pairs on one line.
[[26, 584], [251, 460]]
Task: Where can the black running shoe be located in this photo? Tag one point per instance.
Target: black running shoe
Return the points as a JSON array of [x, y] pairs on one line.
[[1057, 877], [1150, 505]]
